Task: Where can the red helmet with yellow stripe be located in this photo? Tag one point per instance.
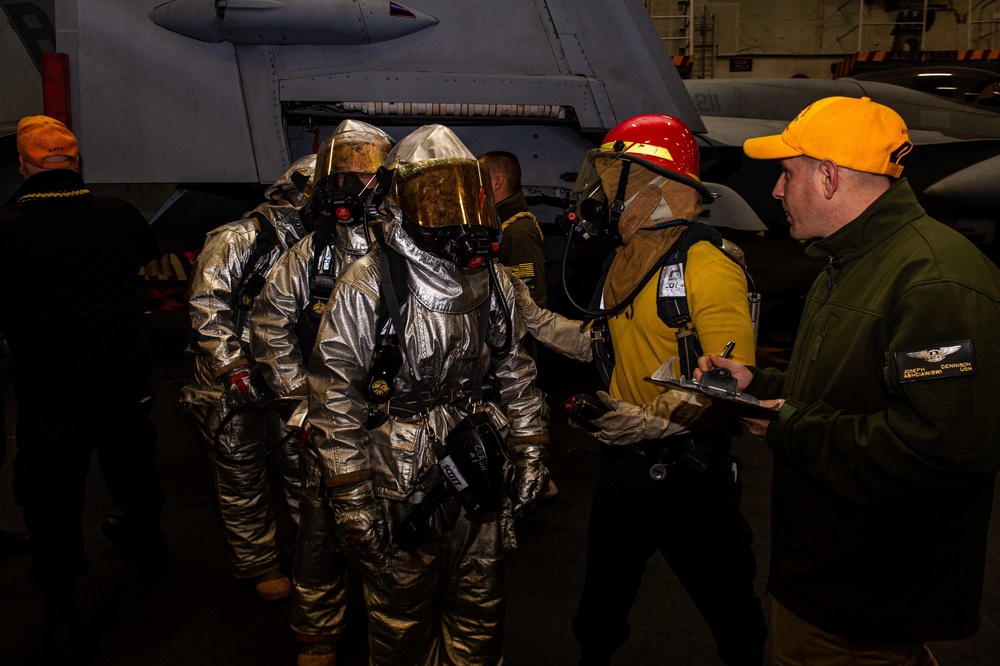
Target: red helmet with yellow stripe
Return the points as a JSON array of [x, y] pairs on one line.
[[661, 143]]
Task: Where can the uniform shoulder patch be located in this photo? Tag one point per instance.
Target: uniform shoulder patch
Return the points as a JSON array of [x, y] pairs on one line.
[[952, 359], [525, 271]]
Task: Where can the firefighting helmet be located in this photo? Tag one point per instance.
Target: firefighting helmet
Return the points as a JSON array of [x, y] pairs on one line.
[[295, 184], [345, 167], [661, 143], [444, 195]]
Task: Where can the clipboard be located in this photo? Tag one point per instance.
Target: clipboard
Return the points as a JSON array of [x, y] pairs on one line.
[[718, 385]]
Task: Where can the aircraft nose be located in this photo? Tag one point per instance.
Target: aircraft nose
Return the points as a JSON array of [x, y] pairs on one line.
[[972, 189], [194, 18]]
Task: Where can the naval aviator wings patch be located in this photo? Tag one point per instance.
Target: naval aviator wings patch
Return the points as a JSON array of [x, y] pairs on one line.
[[953, 359]]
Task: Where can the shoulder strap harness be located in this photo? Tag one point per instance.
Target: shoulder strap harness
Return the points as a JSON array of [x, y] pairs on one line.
[[321, 274], [388, 356], [255, 268], [671, 302]]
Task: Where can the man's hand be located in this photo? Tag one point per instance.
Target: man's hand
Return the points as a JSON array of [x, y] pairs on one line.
[[566, 336], [758, 427], [522, 297], [739, 371], [530, 477]]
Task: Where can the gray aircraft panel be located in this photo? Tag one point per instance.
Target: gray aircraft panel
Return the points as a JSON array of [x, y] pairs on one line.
[[622, 43], [472, 36], [157, 106], [517, 39], [22, 93], [260, 85], [545, 79], [150, 105]]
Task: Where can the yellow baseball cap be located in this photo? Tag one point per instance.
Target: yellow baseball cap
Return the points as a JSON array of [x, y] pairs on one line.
[[854, 133], [41, 137]]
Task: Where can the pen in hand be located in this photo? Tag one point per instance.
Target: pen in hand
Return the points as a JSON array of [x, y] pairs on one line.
[[727, 352]]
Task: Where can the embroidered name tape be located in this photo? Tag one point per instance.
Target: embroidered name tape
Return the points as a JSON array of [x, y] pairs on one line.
[[953, 359]]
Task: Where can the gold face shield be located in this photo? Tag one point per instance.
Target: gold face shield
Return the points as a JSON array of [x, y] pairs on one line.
[[350, 152], [445, 192]]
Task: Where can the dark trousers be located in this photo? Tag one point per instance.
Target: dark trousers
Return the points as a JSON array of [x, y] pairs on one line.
[[54, 445], [694, 520]]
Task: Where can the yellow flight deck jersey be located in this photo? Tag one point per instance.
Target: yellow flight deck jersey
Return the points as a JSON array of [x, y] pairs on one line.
[[717, 301]]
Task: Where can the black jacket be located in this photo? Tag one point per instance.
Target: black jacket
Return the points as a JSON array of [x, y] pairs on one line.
[[522, 248], [69, 271]]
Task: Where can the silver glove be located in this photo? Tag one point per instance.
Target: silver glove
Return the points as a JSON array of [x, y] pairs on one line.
[[670, 413], [243, 389], [362, 530], [566, 336], [528, 455]]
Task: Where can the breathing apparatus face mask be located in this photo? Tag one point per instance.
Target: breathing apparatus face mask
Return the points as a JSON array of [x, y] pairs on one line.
[[469, 248], [588, 216], [345, 166], [346, 197], [448, 209]]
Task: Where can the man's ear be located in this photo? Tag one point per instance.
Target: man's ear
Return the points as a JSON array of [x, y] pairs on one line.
[[498, 182], [829, 173]]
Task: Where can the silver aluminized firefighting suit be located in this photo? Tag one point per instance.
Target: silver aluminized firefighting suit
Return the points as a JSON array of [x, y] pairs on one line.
[[286, 296], [284, 324], [288, 303], [441, 603], [222, 343]]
